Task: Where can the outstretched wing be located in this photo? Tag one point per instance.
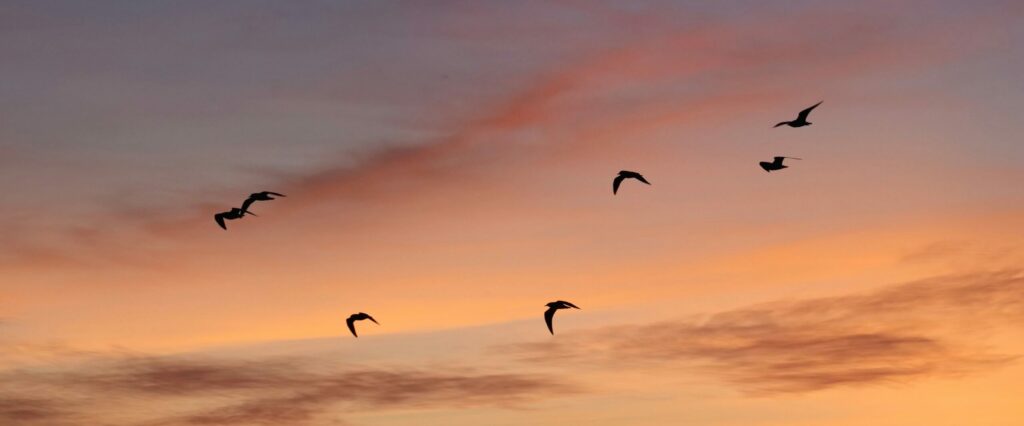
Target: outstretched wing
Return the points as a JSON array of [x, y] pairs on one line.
[[806, 112], [570, 305], [780, 124], [615, 183], [371, 319], [219, 217], [245, 205], [548, 316], [766, 166], [351, 326], [274, 194], [641, 179], [778, 160]]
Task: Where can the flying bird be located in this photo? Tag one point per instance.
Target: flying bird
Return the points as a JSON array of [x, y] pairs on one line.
[[351, 321], [801, 120], [775, 165], [623, 175], [550, 313], [259, 196], [235, 213]]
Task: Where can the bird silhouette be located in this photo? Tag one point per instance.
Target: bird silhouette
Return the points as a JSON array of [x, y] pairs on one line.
[[234, 213], [259, 196], [801, 120], [775, 165], [623, 175], [549, 314], [351, 321]]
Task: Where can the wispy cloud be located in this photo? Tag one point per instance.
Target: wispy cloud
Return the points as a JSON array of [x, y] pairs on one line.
[[382, 389], [892, 335], [172, 376], [18, 410], [283, 391]]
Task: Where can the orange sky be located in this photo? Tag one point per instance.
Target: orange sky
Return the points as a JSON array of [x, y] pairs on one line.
[[448, 170]]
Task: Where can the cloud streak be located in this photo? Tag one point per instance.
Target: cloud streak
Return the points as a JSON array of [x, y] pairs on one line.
[[18, 410], [382, 389], [893, 335], [285, 391]]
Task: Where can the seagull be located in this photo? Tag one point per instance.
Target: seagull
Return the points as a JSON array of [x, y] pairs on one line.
[[554, 306], [624, 174], [259, 196], [801, 120], [351, 321], [775, 165], [235, 213]]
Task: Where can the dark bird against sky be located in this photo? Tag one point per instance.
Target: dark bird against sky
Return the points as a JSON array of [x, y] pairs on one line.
[[549, 314], [801, 120], [624, 174], [234, 213], [775, 165], [351, 321], [259, 196]]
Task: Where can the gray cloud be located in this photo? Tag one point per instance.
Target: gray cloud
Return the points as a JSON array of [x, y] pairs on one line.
[[892, 335], [282, 391], [19, 410], [382, 389], [177, 376]]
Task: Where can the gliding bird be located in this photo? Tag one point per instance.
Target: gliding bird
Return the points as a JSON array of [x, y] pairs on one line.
[[549, 314], [259, 196], [623, 175], [358, 317], [235, 213], [775, 165], [801, 120]]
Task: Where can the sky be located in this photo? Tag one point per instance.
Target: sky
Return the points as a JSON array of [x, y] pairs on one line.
[[448, 169]]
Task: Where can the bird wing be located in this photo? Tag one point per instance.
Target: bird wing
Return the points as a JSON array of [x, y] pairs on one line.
[[219, 217], [780, 124], [245, 205], [371, 319], [615, 183], [766, 166], [778, 160], [570, 305], [274, 194], [641, 179], [803, 114], [351, 326], [548, 316]]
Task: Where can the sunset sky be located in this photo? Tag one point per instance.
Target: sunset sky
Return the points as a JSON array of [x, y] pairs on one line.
[[448, 169]]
